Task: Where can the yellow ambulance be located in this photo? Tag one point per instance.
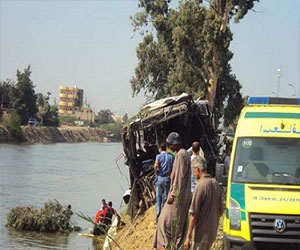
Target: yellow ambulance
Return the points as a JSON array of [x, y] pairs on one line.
[[263, 188]]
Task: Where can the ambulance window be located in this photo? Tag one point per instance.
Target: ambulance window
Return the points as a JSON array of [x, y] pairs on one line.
[[267, 160]]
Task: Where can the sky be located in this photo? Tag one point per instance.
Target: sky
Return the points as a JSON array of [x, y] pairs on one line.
[[91, 44]]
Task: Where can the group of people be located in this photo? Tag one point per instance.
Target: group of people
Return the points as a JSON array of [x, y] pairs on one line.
[[103, 218], [184, 187]]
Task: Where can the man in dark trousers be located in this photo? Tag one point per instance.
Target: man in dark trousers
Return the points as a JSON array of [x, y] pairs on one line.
[[206, 208], [172, 220], [163, 168]]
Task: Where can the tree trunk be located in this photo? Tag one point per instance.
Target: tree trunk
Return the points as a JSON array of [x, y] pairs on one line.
[[213, 79]]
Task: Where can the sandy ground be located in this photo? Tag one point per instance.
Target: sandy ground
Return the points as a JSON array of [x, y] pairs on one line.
[[139, 235]]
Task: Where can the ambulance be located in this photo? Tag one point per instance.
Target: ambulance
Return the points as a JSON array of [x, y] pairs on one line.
[[263, 188]]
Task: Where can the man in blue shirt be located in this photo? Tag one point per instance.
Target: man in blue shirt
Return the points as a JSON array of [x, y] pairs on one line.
[[163, 168]]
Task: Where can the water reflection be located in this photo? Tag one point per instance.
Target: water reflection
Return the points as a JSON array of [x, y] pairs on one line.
[[34, 240]]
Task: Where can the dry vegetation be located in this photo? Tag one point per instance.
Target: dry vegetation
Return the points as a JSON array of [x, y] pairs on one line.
[[139, 235]]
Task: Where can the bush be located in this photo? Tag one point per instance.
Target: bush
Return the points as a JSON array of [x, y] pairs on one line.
[[13, 124], [113, 129], [50, 218], [67, 119]]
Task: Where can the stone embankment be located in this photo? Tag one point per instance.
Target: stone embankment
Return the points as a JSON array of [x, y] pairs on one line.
[[53, 134]]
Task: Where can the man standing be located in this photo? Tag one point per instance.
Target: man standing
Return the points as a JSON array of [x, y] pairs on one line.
[[196, 150], [163, 168], [172, 220], [206, 208], [108, 214]]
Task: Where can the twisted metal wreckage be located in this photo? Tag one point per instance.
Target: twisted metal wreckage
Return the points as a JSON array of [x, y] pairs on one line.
[[141, 135]]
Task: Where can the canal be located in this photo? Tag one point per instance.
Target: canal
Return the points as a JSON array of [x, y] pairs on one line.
[[77, 174]]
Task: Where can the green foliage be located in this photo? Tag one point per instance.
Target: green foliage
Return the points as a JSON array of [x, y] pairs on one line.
[[13, 124], [67, 119], [42, 102], [48, 113], [25, 99], [50, 218], [22, 99], [114, 129], [51, 118], [7, 92], [190, 52], [105, 116]]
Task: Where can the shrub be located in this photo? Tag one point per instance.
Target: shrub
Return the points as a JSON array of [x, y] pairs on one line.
[[50, 218], [67, 119], [114, 129], [13, 124]]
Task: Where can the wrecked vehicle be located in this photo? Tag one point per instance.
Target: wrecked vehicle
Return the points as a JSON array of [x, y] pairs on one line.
[[193, 120]]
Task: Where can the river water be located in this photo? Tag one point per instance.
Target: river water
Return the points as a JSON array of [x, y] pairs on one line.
[[77, 174]]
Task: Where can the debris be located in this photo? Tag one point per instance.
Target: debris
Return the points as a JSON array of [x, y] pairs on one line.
[[193, 120]]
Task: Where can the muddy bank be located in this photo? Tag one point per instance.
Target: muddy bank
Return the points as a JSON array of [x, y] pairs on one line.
[[139, 235], [53, 134]]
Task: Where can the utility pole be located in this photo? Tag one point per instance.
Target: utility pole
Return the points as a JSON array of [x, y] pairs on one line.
[[278, 81]]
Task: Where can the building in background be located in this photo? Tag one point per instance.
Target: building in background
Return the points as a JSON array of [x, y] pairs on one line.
[[85, 113], [71, 105], [70, 100], [117, 118]]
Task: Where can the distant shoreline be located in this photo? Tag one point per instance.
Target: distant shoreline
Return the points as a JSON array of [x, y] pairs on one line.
[[64, 134]]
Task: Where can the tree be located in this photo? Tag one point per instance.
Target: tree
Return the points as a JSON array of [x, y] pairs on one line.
[[24, 101], [7, 93], [223, 11], [51, 118], [190, 51], [114, 130], [47, 113], [13, 124], [105, 116]]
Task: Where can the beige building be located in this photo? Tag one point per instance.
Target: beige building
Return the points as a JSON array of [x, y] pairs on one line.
[[85, 113], [70, 100]]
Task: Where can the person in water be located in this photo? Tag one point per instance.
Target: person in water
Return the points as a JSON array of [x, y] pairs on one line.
[[103, 219], [67, 213]]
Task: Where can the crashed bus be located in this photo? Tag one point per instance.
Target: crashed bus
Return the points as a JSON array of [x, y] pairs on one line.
[[193, 120]]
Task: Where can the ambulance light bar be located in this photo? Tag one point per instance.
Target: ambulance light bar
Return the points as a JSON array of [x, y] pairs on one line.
[[273, 100]]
